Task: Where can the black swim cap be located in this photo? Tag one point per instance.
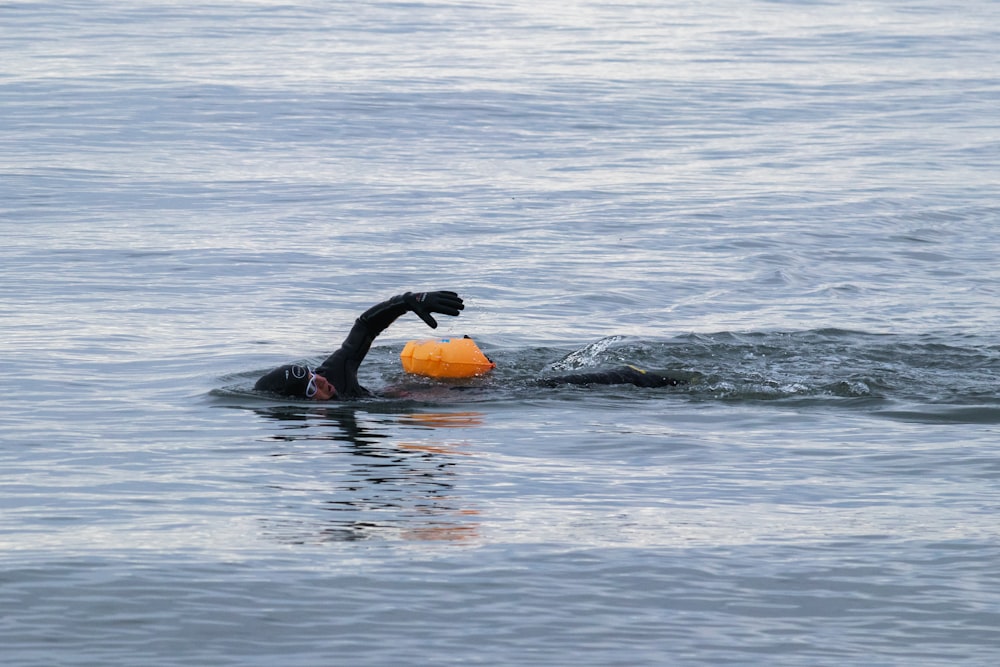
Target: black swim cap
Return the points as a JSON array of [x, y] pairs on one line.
[[285, 380]]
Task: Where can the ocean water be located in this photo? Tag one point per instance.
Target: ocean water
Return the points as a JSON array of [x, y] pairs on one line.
[[796, 203]]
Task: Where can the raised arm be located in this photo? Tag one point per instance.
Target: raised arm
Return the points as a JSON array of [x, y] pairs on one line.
[[341, 367]]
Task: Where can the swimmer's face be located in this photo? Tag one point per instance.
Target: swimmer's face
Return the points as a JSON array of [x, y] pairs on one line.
[[324, 391]]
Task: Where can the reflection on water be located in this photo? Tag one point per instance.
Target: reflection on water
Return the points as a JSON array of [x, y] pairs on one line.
[[376, 484], [444, 419]]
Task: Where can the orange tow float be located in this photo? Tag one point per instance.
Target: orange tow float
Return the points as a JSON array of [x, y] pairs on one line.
[[445, 358]]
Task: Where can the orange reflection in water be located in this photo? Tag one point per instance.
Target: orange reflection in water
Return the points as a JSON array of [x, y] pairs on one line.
[[443, 419]]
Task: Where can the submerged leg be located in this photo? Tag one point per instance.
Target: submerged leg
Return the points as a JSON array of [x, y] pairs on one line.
[[623, 375]]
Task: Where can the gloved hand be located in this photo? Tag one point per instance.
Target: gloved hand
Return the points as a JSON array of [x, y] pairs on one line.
[[425, 303]]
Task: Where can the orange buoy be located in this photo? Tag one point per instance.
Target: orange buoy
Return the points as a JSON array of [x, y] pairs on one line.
[[445, 358]]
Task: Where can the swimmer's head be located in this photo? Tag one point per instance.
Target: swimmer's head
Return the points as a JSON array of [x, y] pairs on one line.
[[293, 380]]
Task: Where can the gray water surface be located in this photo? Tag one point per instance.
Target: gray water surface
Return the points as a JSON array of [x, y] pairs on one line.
[[792, 203]]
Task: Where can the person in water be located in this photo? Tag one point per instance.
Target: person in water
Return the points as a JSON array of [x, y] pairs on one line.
[[337, 377]]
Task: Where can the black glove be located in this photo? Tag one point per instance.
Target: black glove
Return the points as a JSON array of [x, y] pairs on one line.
[[425, 303]]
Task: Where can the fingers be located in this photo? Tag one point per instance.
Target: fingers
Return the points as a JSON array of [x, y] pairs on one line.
[[444, 302], [428, 320], [445, 309], [448, 303]]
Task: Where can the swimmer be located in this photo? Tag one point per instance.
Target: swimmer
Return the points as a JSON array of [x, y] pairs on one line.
[[337, 377]]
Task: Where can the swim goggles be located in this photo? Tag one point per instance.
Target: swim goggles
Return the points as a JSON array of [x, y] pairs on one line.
[[311, 388]]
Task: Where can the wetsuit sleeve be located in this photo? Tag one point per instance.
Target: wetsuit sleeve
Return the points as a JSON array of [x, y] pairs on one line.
[[341, 367]]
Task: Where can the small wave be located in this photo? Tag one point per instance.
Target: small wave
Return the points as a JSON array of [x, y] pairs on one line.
[[940, 414]]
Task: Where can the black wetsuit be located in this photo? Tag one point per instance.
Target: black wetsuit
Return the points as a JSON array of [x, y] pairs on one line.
[[341, 367], [622, 375]]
